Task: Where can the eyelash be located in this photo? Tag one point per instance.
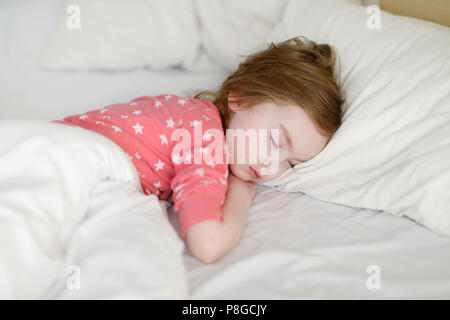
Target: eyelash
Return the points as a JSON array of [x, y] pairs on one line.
[[271, 137], [273, 141]]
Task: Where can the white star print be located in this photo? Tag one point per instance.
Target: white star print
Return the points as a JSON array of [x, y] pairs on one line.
[[157, 104], [182, 101], [222, 181], [199, 171], [137, 155], [206, 117], [116, 129], [159, 165], [163, 139], [124, 116], [210, 163], [106, 117], [178, 187], [226, 174], [137, 112], [188, 157], [138, 128], [83, 117], [208, 109], [180, 123], [100, 122], [167, 97], [176, 158], [133, 104], [207, 136], [157, 184], [207, 150], [179, 194], [170, 123], [195, 123], [148, 191], [208, 181], [103, 110]]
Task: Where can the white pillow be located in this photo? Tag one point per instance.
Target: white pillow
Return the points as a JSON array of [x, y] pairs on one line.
[[2, 43], [3, 26], [26, 26], [197, 35], [125, 34], [392, 152], [232, 29]]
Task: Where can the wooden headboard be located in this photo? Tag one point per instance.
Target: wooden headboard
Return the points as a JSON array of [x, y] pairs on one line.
[[437, 11]]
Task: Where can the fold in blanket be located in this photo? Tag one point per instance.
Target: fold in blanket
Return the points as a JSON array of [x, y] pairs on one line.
[[71, 197]]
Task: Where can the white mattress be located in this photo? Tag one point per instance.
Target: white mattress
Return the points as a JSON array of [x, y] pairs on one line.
[[294, 247]]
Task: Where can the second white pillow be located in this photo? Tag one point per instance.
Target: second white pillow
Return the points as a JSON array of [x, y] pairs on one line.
[[124, 34]]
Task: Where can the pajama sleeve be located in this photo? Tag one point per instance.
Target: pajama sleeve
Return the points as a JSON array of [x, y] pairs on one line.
[[199, 187]]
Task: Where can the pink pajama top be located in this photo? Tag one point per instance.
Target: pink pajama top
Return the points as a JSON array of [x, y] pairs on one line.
[[167, 159]]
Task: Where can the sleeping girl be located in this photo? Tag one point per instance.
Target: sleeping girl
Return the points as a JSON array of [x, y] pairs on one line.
[[288, 90]]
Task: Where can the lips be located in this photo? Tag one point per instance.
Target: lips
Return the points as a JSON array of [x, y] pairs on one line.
[[254, 173]]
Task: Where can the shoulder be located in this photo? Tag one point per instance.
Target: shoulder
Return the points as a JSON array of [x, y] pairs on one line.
[[201, 110], [184, 103]]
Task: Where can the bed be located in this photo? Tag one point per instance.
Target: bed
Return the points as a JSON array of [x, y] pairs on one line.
[[295, 246]]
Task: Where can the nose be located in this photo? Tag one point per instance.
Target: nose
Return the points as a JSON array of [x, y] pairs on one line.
[[273, 163]]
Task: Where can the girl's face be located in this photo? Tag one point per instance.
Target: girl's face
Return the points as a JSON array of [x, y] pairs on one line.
[[299, 140]]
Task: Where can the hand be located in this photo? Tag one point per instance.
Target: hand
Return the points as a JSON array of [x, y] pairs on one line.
[[248, 186]]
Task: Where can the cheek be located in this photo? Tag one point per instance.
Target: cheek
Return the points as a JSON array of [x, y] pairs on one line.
[[234, 170], [317, 146], [239, 152]]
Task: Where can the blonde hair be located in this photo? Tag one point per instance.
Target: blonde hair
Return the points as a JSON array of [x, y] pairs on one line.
[[294, 71]]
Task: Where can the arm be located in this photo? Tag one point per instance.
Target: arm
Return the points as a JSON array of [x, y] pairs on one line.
[[210, 240]]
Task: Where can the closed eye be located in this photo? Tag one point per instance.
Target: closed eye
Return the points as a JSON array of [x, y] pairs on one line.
[[272, 139]]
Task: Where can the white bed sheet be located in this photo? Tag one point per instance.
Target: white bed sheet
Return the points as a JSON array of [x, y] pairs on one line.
[[294, 247], [27, 92], [297, 247]]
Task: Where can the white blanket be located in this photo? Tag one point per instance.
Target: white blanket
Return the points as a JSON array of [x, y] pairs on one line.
[[56, 243]]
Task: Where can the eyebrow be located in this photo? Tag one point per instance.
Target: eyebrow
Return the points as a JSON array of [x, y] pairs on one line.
[[289, 140]]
